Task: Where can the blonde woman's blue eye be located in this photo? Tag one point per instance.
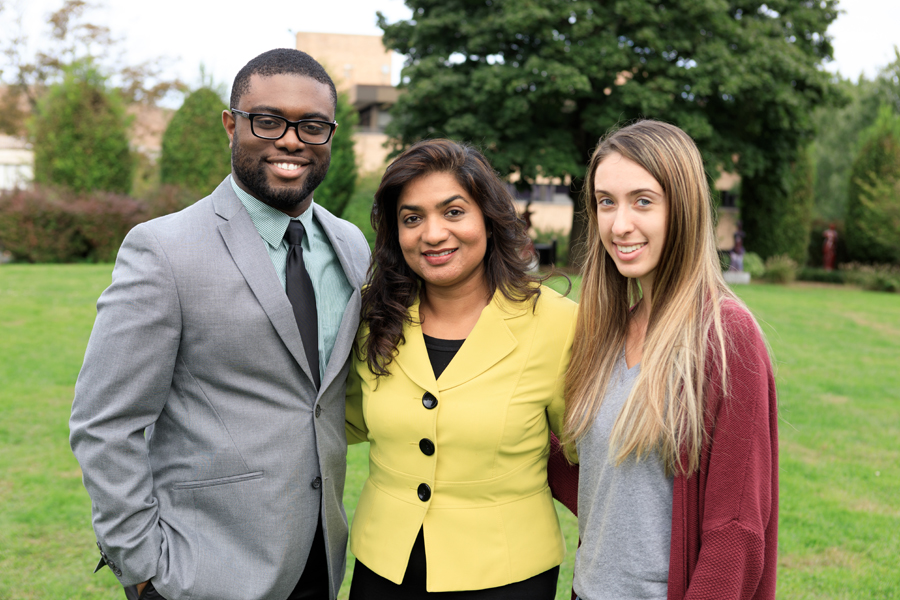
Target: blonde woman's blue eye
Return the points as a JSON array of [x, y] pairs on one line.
[[644, 202], [605, 202]]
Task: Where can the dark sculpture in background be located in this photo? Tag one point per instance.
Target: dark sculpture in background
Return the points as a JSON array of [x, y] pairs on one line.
[[737, 252]]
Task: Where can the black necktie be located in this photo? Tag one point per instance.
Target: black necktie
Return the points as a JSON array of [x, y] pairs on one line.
[[302, 296]]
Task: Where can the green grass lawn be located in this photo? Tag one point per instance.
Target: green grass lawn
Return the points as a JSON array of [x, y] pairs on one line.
[[837, 353]]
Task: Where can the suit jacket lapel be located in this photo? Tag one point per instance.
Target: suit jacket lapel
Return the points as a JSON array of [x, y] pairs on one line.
[[490, 342], [355, 274], [250, 256]]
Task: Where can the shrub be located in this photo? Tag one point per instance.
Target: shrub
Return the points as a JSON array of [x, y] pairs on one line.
[[781, 268], [873, 206], [80, 135], [167, 199], [821, 275], [336, 191], [754, 265], [53, 224], [195, 152], [879, 278]]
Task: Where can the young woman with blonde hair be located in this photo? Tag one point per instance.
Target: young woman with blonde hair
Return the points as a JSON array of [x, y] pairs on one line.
[[670, 398]]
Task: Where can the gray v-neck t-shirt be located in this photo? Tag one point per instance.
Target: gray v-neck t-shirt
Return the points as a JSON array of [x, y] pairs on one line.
[[624, 511]]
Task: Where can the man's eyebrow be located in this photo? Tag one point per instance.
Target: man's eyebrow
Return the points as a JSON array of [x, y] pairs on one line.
[[274, 110], [440, 204]]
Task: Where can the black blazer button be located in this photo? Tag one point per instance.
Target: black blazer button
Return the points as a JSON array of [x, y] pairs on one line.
[[318, 411], [424, 492], [429, 401], [426, 446], [317, 483]]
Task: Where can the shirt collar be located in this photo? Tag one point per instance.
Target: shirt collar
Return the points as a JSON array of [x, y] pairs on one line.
[[270, 222]]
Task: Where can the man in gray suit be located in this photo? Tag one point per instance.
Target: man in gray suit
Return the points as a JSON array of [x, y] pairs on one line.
[[209, 414]]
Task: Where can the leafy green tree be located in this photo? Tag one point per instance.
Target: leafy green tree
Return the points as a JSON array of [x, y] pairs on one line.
[[838, 130], [336, 191], [535, 84], [195, 152], [80, 135], [70, 39], [873, 210]]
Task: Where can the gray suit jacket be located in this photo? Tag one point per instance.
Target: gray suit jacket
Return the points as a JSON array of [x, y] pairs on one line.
[[195, 343]]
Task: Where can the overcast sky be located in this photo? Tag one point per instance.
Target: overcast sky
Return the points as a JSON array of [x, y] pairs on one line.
[[225, 34]]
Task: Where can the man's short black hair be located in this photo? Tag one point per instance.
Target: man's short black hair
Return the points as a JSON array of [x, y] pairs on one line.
[[280, 61]]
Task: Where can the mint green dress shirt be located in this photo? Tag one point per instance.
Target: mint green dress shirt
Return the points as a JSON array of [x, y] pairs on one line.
[[330, 284]]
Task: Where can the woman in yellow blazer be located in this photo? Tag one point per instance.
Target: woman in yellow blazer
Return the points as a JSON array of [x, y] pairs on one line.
[[457, 384]]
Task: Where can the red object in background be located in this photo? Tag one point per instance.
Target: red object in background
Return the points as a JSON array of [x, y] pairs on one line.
[[828, 248]]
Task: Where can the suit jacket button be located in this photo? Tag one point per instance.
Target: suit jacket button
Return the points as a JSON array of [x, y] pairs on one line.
[[424, 492], [426, 446], [318, 411], [317, 483], [429, 401]]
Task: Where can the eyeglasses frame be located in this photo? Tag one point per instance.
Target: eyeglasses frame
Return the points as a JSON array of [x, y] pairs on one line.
[[290, 124]]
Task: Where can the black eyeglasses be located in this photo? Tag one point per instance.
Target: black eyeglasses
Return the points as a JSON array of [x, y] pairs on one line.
[[273, 127]]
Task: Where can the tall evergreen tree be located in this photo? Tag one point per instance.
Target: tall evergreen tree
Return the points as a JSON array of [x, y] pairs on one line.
[[873, 209], [195, 152], [535, 84], [80, 134]]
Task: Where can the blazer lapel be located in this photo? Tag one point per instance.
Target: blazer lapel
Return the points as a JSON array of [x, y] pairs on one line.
[[413, 356], [250, 256], [490, 342]]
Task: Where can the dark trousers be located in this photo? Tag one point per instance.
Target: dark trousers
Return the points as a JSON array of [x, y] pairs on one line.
[[148, 593], [368, 585], [313, 584]]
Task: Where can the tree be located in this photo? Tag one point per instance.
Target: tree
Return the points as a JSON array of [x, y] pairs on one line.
[[873, 209], [798, 211], [537, 83], [80, 135], [72, 40], [336, 191], [195, 151], [838, 131]]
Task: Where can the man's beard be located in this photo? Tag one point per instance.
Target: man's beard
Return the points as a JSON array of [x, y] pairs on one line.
[[253, 173]]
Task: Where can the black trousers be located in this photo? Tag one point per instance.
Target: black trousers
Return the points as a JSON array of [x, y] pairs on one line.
[[148, 593], [368, 585], [313, 583]]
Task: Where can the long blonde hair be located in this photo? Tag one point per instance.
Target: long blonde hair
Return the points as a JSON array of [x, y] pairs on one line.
[[665, 409]]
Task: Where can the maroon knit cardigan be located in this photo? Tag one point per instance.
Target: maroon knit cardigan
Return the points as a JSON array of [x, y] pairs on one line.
[[724, 516]]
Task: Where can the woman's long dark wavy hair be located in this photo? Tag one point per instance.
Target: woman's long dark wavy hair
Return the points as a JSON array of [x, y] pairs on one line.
[[393, 285]]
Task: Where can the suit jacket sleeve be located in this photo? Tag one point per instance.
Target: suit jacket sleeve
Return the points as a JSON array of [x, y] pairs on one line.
[[121, 390], [740, 498]]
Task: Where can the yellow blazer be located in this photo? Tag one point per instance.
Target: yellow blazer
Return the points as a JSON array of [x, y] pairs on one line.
[[472, 469]]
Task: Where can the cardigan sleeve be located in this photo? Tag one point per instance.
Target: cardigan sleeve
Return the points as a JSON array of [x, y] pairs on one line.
[[738, 485], [562, 477]]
